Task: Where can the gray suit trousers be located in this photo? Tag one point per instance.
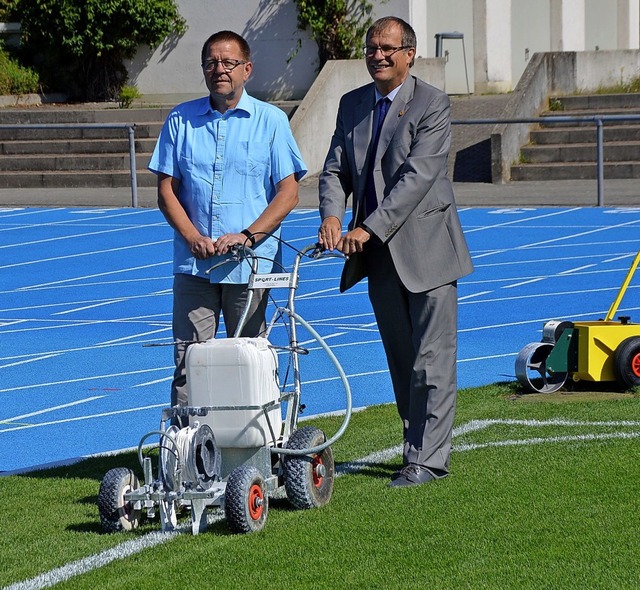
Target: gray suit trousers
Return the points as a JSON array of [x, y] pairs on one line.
[[419, 335]]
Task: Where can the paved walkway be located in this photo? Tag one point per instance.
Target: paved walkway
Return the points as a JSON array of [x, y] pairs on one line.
[[562, 193], [468, 162]]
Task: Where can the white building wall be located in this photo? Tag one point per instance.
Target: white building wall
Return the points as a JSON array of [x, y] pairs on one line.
[[511, 31], [451, 16], [530, 33], [268, 25], [600, 28]]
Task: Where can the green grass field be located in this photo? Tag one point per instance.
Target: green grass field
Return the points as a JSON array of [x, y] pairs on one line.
[[543, 495]]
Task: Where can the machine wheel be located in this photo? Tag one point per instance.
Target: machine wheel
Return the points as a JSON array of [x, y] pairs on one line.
[[531, 369], [308, 480], [627, 362], [246, 501], [116, 514]]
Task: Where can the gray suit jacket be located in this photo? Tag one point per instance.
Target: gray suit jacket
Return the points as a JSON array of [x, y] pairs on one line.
[[416, 214]]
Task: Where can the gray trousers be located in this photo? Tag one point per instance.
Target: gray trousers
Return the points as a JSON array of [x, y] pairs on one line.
[[419, 335], [197, 304]]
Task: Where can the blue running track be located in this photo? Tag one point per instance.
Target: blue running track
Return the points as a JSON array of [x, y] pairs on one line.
[[83, 290]]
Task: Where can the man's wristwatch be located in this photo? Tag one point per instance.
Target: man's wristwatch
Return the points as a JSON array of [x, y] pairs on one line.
[[249, 236]]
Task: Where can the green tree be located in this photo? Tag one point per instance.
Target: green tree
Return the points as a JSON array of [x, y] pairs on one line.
[[337, 26], [79, 46]]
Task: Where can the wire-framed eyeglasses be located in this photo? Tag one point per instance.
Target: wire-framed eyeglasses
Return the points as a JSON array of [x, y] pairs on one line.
[[386, 50], [227, 64]]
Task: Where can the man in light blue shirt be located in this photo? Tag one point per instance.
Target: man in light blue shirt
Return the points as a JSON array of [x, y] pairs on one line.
[[228, 169]]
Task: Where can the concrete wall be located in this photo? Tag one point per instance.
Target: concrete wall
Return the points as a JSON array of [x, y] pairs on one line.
[[172, 72], [314, 121], [554, 73], [268, 25]]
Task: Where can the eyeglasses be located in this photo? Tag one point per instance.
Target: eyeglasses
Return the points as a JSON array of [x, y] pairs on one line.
[[386, 51], [227, 64]]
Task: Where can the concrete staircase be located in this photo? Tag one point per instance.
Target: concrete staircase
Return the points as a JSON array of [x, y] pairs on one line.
[[567, 151], [68, 157]]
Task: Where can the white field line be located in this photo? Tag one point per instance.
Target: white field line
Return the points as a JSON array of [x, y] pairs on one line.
[[134, 546]]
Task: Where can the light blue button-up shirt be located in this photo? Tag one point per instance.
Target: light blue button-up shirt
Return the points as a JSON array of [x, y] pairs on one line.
[[228, 166]]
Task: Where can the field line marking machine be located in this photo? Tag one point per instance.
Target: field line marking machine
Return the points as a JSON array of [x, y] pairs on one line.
[[604, 350], [241, 442]]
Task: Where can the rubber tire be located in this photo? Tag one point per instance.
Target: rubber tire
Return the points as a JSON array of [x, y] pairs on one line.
[[244, 485], [115, 513], [305, 489], [627, 362]]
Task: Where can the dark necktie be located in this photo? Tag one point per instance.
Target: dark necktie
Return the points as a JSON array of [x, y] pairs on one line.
[[380, 112]]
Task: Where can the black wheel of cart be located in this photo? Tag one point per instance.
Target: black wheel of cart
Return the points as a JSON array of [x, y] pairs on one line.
[[627, 362], [308, 480], [246, 503], [116, 513]]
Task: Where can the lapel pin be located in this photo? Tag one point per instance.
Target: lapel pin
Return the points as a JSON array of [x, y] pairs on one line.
[[400, 113]]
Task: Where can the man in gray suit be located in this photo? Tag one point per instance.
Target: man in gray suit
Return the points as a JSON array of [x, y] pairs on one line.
[[405, 236]]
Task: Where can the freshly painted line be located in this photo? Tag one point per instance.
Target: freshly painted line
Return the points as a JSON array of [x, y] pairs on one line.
[[551, 439]]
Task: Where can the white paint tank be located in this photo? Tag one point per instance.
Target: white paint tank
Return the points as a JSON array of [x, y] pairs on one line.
[[235, 372]]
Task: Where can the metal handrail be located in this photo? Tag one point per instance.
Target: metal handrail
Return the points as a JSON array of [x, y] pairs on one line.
[[598, 120], [130, 127]]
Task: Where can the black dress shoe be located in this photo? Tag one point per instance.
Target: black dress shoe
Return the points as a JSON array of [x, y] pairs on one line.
[[411, 475]]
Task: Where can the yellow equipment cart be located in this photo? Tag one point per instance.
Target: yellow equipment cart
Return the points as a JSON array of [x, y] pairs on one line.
[[596, 351]]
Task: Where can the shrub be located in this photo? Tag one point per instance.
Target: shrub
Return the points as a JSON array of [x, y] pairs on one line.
[[337, 26], [127, 95], [79, 46], [15, 79]]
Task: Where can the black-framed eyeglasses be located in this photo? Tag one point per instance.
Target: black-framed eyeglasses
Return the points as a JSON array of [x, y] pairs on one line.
[[386, 50], [227, 64]]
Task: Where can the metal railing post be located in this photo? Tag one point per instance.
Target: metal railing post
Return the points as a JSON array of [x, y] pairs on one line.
[[600, 160], [132, 166]]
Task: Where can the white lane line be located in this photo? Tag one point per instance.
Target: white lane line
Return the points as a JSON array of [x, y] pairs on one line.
[[77, 255], [127, 338], [85, 307], [558, 239], [39, 242], [92, 276], [528, 282], [81, 418], [155, 382], [81, 379], [52, 409], [465, 297], [86, 302], [33, 359], [521, 220], [577, 269]]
